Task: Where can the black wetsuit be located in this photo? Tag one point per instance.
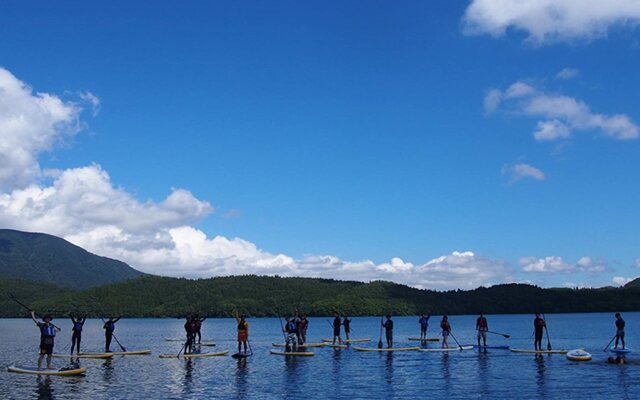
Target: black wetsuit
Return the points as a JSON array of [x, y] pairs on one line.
[[76, 337], [109, 327], [388, 331], [336, 326], [347, 325]]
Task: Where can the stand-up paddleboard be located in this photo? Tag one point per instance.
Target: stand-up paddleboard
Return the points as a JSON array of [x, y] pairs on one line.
[[121, 353], [429, 339], [194, 355], [185, 339], [620, 350], [336, 346], [300, 345], [385, 350], [475, 346], [348, 340], [293, 353], [578, 355], [527, 351], [208, 344], [241, 355], [52, 372], [96, 356], [446, 350]]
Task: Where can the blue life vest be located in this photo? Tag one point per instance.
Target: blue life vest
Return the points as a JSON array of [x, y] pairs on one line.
[[48, 331], [291, 327], [77, 327]]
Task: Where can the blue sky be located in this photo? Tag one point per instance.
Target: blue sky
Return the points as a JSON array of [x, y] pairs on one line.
[[359, 132]]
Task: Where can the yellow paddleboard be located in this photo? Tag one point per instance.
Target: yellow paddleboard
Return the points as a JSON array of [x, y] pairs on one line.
[[52, 372], [195, 355], [292, 353], [374, 349]]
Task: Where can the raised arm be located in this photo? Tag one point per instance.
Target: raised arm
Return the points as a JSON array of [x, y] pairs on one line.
[[33, 317]]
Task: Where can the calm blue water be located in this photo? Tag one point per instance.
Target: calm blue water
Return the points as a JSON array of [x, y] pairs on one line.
[[331, 373]]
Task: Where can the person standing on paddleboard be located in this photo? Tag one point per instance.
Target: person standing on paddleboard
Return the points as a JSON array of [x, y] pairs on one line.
[[109, 326], [76, 336], [538, 325], [424, 325], [190, 331], [303, 325], [243, 331], [620, 324], [197, 326], [482, 326], [346, 322], [446, 330], [291, 330], [47, 335], [337, 323], [388, 331]]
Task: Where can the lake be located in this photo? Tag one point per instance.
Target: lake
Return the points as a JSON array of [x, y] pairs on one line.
[[331, 373]]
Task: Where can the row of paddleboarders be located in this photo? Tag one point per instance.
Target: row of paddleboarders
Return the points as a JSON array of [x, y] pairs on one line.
[[48, 333], [295, 331]]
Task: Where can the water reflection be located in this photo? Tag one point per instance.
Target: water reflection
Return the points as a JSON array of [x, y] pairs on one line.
[[44, 391], [107, 370], [241, 378], [388, 375], [446, 374], [541, 378], [483, 370], [187, 383]]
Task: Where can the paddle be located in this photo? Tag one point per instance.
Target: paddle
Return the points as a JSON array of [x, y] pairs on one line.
[[183, 346], [250, 349], [380, 340], [114, 336], [287, 348], [456, 340], [27, 308], [606, 348], [547, 332], [501, 334]]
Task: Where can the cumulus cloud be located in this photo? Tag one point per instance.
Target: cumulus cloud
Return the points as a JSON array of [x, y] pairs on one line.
[[567, 73], [550, 21], [552, 264], [560, 115], [636, 262], [30, 123], [621, 280], [84, 206], [518, 172]]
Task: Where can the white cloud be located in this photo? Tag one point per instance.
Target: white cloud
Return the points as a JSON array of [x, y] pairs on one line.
[[521, 171], [621, 280], [550, 21], [93, 100], [560, 115], [492, 100], [85, 207], [567, 73], [552, 264], [636, 262], [30, 123]]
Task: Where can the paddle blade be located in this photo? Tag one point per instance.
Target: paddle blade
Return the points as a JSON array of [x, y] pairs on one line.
[[380, 343], [506, 336]]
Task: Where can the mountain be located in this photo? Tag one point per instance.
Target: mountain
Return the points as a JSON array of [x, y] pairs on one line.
[[154, 296], [633, 284], [47, 258]]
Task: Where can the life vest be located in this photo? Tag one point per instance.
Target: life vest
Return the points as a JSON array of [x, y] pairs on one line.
[[291, 327], [538, 323], [242, 327], [337, 323], [48, 331], [77, 327], [620, 323], [482, 322]]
